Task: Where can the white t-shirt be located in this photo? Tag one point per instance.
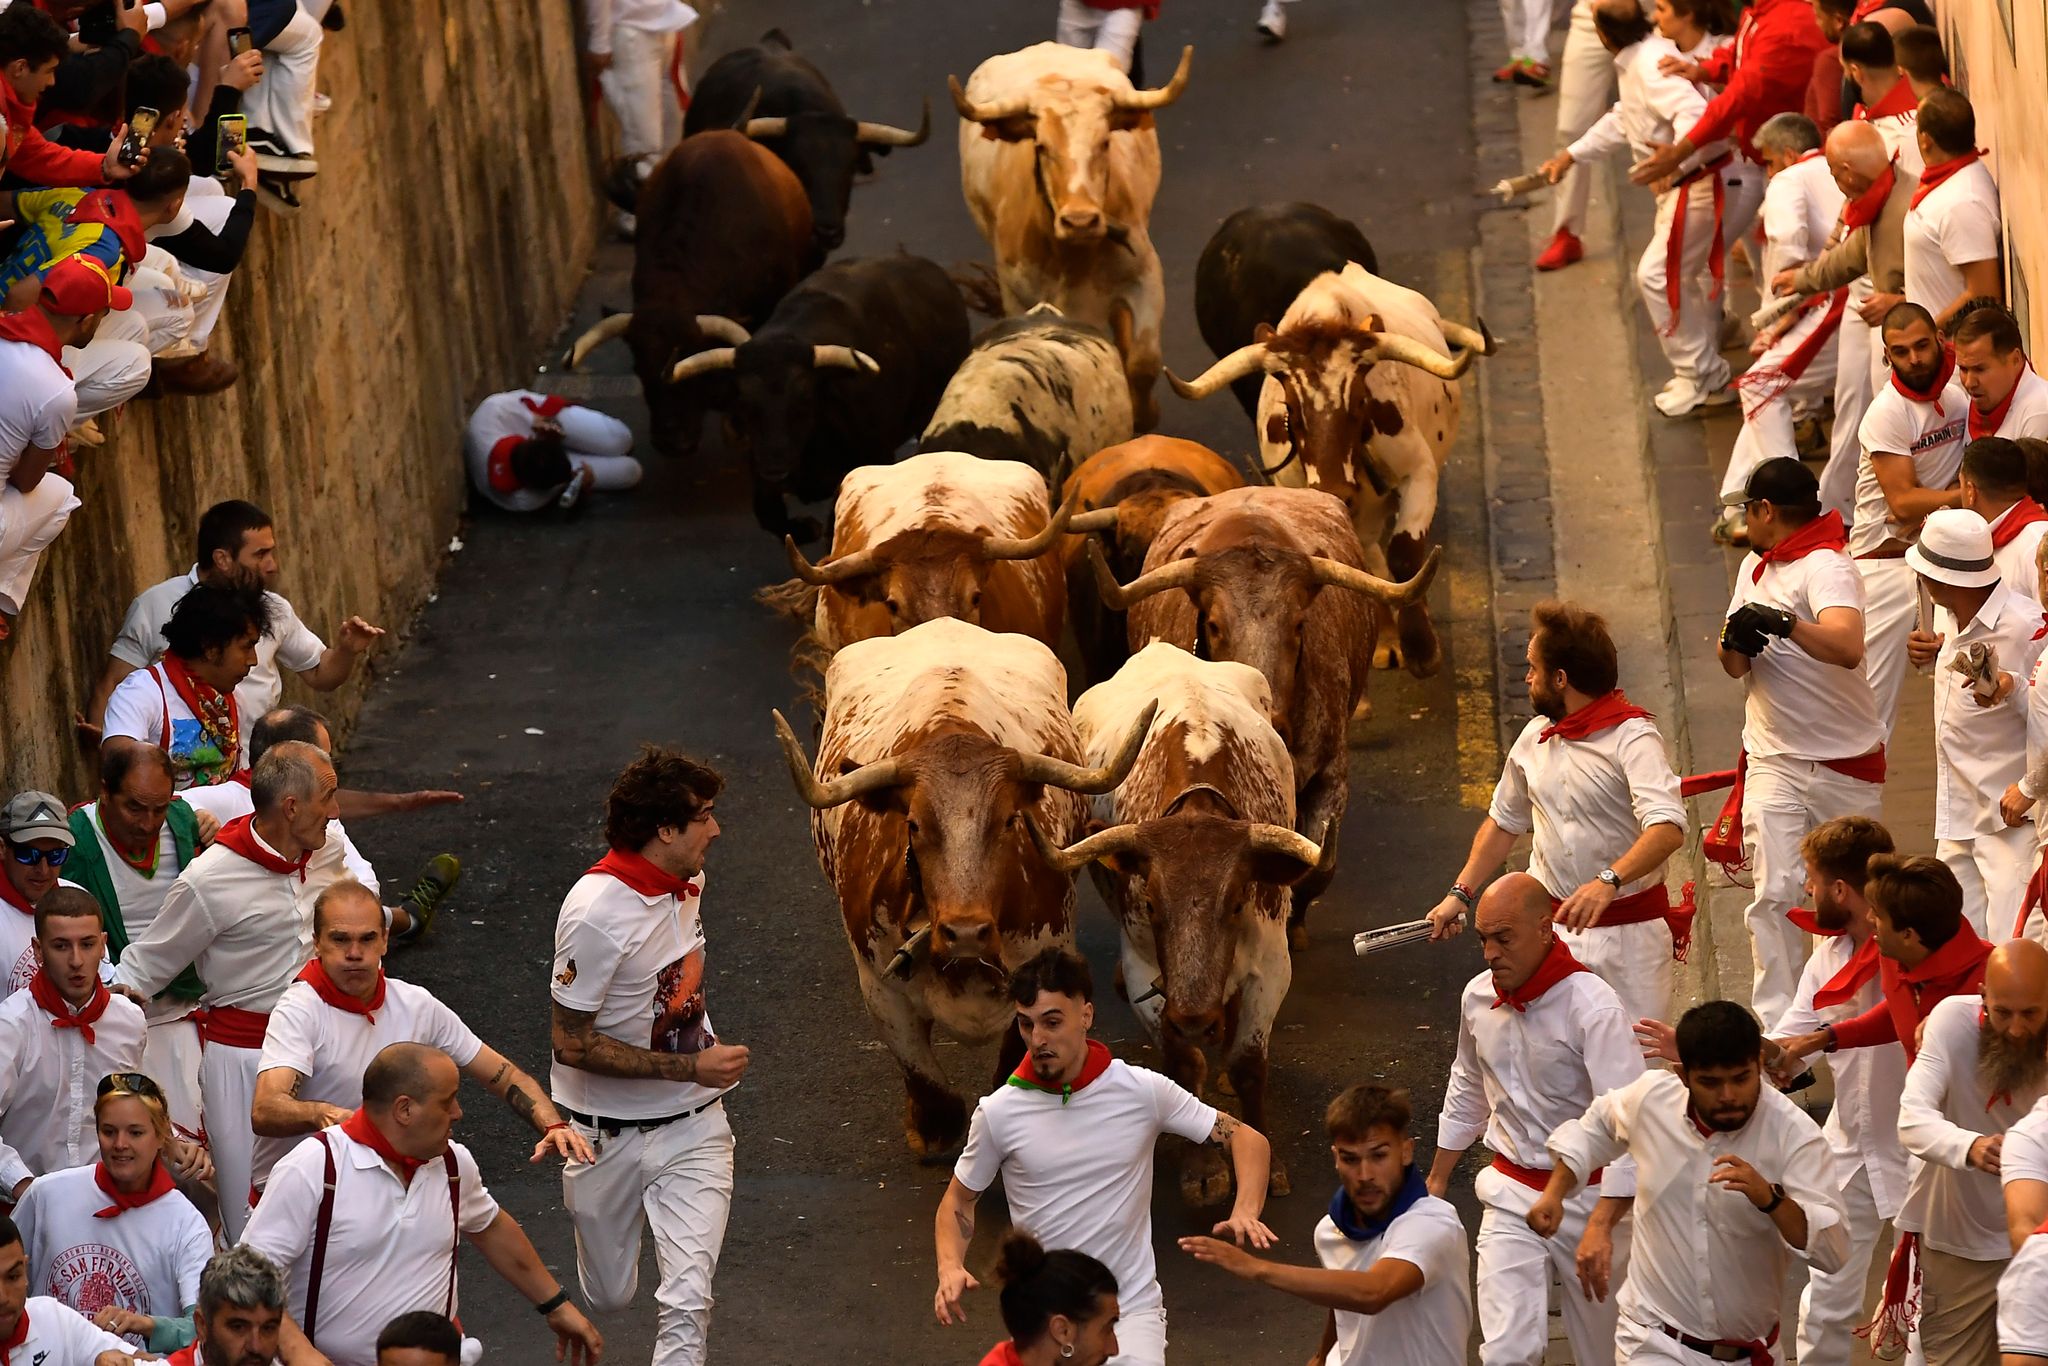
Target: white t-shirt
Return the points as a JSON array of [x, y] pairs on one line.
[[2024, 1154], [495, 418], [637, 963], [59, 1335], [2028, 415], [145, 1259], [1077, 1169], [1932, 434], [1799, 707], [1954, 224], [2023, 1300], [37, 402], [1428, 1328], [2018, 559], [332, 862], [145, 701], [1586, 800]]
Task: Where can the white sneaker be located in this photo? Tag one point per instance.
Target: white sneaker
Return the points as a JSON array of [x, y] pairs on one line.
[[1273, 21], [1682, 397], [321, 104]]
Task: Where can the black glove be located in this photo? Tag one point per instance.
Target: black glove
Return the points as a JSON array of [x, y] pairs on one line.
[[1743, 639], [1750, 626]]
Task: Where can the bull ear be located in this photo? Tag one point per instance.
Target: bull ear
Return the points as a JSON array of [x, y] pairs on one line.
[[1130, 120], [1016, 128], [1264, 333]]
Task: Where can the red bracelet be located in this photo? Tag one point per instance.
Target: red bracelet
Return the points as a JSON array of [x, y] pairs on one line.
[[558, 1124]]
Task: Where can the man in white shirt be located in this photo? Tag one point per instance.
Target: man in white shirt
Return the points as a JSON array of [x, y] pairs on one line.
[[1911, 440], [1589, 780], [1980, 739], [1732, 1178], [638, 1069], [39, 1329], [1885, 97], [341, 1012], [2006, 397], [185, 703], [1393, 1253], [37, 844], [242, 1302], [527, 450], [1072, 1135], [394, 1198], [1538, 1037], [1813, 744], [1952, 228], [1982, 1065], [1993, 484], [1585, 89], [634, 50], [2023, 1302]]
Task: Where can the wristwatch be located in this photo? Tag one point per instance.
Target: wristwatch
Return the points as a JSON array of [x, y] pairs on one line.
[[1777, 1198], [1610, 877]]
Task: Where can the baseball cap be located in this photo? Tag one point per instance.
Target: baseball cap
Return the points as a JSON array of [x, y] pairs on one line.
[[34, 816], [1783, 481], [1954, 548], [78, 285]]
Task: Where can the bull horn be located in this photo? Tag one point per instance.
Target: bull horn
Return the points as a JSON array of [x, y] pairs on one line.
[[1337, 574], [703, 363], [1460, 335], [765, 128], [1242, 363], [819, 796], [1278, 839], [606, 329], [1165, 94], [843, 358], [986, 113], [723, 329], [1293, 454], [1118, 839], [1174, 574], [1043, 768], [1095, 519], [832, 571], [747, 114], [1421, 355], [888, 135], [1031, 547]]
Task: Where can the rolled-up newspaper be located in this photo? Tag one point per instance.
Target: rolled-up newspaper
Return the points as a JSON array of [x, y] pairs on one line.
[[1390, 937], [1978, 664], [1520, 185], [1774, 310]]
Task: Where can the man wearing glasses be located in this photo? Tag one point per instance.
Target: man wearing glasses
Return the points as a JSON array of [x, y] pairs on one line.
[[35, 835]]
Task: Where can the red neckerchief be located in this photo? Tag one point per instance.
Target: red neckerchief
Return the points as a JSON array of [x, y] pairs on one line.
[[115, 211], [12, 894], [32, 325], [1897, 100], [642, 876], [1557, 965], [242, 776], [549, 405], [1805, 920], [1604, 712], [1093, 1065], [219, 713], [239, 835], [498, 465], [358, 1127], [1935, 175], [1003, 1354], [1824, 532], [1700, 1126], [1933, 392], [1863, 210], [160, 1185], [20, 1333], [1983, 424], [59, 1010], [2016, 519], [1851, 978], [314, 975]]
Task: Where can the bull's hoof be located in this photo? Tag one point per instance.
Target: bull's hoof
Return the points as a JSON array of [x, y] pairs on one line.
[[1386, 654], [934, 1125], [1420, 649], [1223, 1085], [1277, 1183], [1297, 935], [1358, 730], [1204, 1177]]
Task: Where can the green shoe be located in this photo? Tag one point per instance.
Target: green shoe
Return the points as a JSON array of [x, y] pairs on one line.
[[436, 881]]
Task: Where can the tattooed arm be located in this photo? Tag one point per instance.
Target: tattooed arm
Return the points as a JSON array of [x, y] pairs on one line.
[[579, 1044], [277, 1111], [1251, 1163], [952, 1231], [523, 1096]]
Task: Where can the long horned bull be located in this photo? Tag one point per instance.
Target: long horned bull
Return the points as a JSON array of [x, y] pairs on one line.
[[1249, 360], [1186, 574], [864, 132], [736, 336], [606, 329], [864, 562], [1126, 839], [994, 111]]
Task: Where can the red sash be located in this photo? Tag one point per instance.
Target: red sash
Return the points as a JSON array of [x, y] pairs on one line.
[[115, 211], [1897, 100], [1557, 965], [642, 876], [231, 1026], [160, 1185], [1933, 176], [498, 465], [59, 1010], [1982, 424], [1674, 244], [1761, 384], [32, 325], [358, 1127], [1535, 1178], [239, 835], [1853, 976], [1863, 210], [549, 405], [214, 710], [1934, 391]]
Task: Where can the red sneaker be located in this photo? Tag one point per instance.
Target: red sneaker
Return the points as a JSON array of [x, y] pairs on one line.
[[1505, 74], [1534, 74], [1562, 250]]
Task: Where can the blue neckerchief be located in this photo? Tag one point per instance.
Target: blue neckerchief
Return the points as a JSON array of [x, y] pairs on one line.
[[1360, 1229]]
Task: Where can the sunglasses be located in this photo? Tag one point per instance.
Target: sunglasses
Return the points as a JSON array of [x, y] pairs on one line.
[[29, 856], [129, 1084]]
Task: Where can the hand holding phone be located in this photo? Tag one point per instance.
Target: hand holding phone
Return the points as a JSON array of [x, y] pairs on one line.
[[232, 140], [141, 127], [240, 40]]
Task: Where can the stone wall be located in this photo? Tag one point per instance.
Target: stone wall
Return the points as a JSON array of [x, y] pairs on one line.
[[440, 247], [1998, 55]]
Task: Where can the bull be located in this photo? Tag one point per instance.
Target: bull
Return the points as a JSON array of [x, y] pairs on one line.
[[1042, 389], [1059, 163], [778, 98], [847, 369], [1359, 398], [724, 231], [943, 534], [1198, 854], [1243, 576], [938, 746]]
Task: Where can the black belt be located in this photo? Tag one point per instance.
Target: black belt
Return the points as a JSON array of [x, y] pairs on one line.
[[1722, 1351], [610, 1125]]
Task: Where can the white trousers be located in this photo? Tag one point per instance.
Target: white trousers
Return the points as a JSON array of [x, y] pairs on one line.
[[1891, 604], [170, 1058], [1693, 345], [1742, 201], [1993, 870], [1113, 31], [598, 442], [1528, 23], [1852, 398], [282, 102], [227, 1090], [1635, 1342], [1831, 1306], [1140, 1339], [1782, 799], [1769, 403], [1633, 959], [111, 368], [1585, 89], [166, 317], [28, 523], [676, 1179], [642, 96], [1514, 1272]]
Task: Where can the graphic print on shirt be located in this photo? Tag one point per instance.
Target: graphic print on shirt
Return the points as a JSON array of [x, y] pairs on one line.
[[195, 749], [679, 1023], [92, 1276], [23, 971]]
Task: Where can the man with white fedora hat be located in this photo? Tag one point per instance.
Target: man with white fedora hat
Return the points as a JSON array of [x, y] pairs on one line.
[[1980, 741]]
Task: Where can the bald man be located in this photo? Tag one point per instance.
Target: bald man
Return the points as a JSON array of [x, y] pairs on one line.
[[1981, 1067], [1539, 1036]]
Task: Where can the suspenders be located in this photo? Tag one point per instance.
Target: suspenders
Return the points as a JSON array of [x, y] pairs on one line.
[[324, 1222]]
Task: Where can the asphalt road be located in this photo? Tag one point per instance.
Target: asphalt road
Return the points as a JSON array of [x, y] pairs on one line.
[[555, 647]]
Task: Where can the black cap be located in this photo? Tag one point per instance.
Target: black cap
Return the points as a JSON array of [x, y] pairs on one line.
[[1783, 481]]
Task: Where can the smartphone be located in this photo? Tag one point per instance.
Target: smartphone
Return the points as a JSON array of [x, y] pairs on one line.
[[232, 137], [141, 126], [239, 41]]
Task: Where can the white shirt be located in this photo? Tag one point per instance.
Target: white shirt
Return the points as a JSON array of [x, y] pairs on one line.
[[289, 645], [2016, 559], [1427, 1328], [1801, 204], [59, 1335], [1980, 751], [1519, 1074], [240, 924], [2028, 415], [1932, 434], [18, 959], [1077, 1169], [332, 1048], [141, 899], [2037, 732], [651, 16], [2023, 1301], [37, 402], [146, 1259], [144, 706], [387, 1249], [49, 1078], [1653, 108], [1586, 801], [1952, 1206], [335, 861], [1705, 1260], [1797, 707], [2024, 1154], [1954, 224], [1862, 1128], [1901, 138], [497, 417]]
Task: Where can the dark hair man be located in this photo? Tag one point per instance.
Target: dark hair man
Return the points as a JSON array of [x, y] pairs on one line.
[[2006, 397], [1072, 1123], [1394, 1257], [38, 1328], [1993, 484], [525, 451], [31, 46], [1952, 228], [420, 1338], [242, 1299], [1919, 54], [186, 702]]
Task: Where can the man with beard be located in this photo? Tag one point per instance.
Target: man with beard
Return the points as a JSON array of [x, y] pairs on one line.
[[1731, 1179], [1812, 743], [1394, 1260], [241, 1307], [1589, 780], [1981, 1066]]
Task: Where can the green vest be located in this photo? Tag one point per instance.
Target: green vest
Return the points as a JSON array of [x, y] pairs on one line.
[[87, 867]]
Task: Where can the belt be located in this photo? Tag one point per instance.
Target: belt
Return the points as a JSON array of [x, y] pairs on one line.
[[610, 1125], [1892, 549], [231, 1026], [1758, 1353]]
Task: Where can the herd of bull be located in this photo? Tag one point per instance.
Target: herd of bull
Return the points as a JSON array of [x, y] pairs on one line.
[[1228, 630]]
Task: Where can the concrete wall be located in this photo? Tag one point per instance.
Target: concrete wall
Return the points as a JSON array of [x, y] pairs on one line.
[[441, 245], [1998, 54]]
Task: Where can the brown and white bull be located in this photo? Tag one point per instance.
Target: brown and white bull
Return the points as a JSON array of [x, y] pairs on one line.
[[940, 535], [1243, 576], [1199, 850], [1361, 400], [938, 744], [1059, 162]]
